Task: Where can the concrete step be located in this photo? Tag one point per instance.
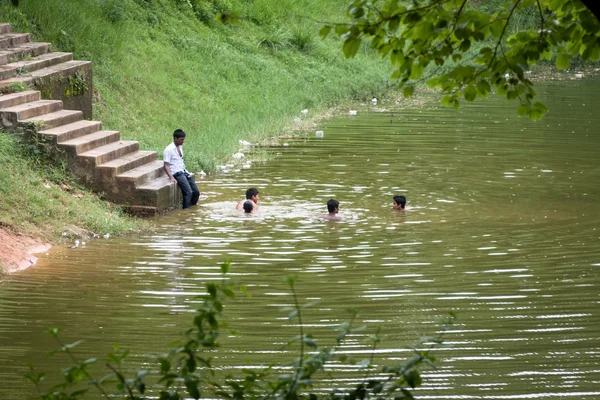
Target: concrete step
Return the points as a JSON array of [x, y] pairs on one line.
[[13, 99], [5, 28], [126, 163], [52, 120], [65, 69], [160, 193], [89, 142], [24, 67], [104, 154], [71, 131], [145, 173], [8, 40], [23, 52], [158, 184], [33, 109]]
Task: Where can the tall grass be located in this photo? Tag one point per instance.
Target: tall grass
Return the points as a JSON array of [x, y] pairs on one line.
[[162, 64]]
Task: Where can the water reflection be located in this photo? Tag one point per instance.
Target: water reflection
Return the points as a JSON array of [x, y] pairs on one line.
[[501, 230]]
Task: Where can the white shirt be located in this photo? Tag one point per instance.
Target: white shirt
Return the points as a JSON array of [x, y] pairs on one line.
[[172, 157]]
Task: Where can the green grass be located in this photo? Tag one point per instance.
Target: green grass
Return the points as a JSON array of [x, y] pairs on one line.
[[43, 201], [166, 64]]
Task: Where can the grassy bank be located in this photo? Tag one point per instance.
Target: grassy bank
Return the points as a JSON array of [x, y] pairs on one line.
[[166, 64], [39, 199]]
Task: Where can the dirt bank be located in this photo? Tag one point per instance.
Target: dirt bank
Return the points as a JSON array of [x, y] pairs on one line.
[[17, 251]]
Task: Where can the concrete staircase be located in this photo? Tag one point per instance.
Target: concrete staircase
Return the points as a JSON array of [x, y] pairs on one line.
[[115, 168]]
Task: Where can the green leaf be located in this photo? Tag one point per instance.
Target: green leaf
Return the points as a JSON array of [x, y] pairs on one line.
[[228, 292], [446, 101], [413, 378], [351, 46], [341, 29], [562, 61], [470, 93], [225, 266], [141, 374], [53, 331], [192, 387], [465, 45], [416, 71], [70, 346], [290, 280], [540, 107], [357, 12], [165, 365], [408, 91], [212, 290], [484, 87], [309, 304]]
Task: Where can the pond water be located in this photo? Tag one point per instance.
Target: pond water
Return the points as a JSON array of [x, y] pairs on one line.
[[503, 229]]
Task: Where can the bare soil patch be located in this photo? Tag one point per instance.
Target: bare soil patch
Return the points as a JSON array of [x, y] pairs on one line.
[[17, 251]]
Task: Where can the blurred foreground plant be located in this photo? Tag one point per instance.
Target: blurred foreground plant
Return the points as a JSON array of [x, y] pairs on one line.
[[187, 370]]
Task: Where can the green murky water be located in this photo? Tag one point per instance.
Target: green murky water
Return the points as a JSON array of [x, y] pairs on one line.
[[503, 229]]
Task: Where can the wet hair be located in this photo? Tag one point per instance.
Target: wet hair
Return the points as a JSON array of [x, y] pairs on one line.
[[332, 205], [400, 200], [250, 193], [248, 206], [179, 133]]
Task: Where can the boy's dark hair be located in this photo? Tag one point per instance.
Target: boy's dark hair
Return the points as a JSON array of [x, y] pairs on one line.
[[400, 200], [179, 133], [250, 193], [332, 205], [248, 206]]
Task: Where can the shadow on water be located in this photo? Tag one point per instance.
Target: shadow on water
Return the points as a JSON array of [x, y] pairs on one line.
[[502, 230]]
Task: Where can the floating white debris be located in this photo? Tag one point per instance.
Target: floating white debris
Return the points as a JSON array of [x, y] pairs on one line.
[[319, 133], [285, 145], [374, 101], [506, 76], [304, 112], [202, 173], [546, 170], [238, 156], [106, 236], [352, 112], [245, 143], [297, 120], [578, 76]]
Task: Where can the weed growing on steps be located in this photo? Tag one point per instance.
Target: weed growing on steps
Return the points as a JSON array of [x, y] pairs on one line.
[[14, 88]]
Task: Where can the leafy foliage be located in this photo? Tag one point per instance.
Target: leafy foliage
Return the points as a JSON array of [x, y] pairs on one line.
[[419, 37], [188, 370]]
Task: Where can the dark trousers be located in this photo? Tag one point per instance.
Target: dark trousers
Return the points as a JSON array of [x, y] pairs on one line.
[[188, 187]]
